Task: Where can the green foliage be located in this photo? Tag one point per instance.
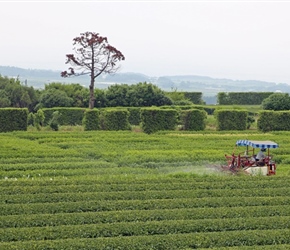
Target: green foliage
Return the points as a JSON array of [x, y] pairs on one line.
[[30, 119], [13, 119], [185, 98], [126, 190], [101, 99], [274, 121], [78, 94], [134, 115], [4, 99], [194, 97], [136, 95], [231, 119], [250, 121], [54, 122], [54, 98], [69, 116], [242, 98], [13, 94], [193, 119], [277, 101], [155, 119], [115, 119], [91, 120], [39, 118]]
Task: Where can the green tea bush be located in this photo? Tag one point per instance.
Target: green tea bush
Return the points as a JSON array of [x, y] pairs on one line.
[[91, 120], [134, 115], [13, 119], [231, 119], [69, 116], [155, 119], [193, 119], [115, 119], [274, 121]]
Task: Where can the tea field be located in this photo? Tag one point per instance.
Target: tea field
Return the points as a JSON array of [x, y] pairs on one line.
[[129, 190]]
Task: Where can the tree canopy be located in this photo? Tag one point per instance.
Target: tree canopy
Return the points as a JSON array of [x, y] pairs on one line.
[[277, 101], [93, 56]]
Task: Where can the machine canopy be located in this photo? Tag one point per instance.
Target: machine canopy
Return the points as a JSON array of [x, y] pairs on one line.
[[257, 144]]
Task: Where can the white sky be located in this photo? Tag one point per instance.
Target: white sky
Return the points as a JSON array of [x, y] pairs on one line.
[[245, 40]]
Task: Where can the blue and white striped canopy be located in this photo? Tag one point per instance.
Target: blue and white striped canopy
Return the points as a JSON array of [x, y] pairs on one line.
[[257, 144]]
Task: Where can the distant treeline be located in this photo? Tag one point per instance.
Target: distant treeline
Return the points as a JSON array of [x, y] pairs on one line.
[[143, 94]]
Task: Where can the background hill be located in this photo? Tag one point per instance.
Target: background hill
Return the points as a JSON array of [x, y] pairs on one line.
[[207, 85]]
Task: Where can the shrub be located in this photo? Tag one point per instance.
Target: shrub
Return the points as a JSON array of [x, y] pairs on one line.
[[54, 122], [274, 121], [39, 119], [115, 119], [231, 119], [69, 116], [134, 116], [277, 101], [155, 119], [12, 119], [91, 119], [193, 119]]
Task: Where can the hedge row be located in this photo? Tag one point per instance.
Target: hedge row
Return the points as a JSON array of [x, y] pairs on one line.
[[117, 205], [231, 119], [154, 119], [90, 185], [141, 195], [12, 119], [169, 241], [193, 119], [274, 121], [242, 98], [69, 116], [76, 218], [143, 228]]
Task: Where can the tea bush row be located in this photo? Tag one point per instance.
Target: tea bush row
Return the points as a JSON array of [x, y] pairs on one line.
[[118, 205], [80, 218], [143, 228], [142, 195], [24, 186], [170, 241]]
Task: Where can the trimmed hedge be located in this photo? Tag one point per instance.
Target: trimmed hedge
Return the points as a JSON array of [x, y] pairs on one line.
[[69, 116], [155, 119], [134, 115], [91, 120], [193, 119], [12, 119], [231, 119], [274, 120], [242, 98], [115, 119]]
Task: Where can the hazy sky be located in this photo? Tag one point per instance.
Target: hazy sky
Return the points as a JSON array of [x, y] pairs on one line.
[[246, 40]]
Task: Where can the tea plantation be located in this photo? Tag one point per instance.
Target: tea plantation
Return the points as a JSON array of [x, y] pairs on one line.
[[130, 190]]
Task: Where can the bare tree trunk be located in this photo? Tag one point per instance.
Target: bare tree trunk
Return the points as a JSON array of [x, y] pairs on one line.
[[92, 94]]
